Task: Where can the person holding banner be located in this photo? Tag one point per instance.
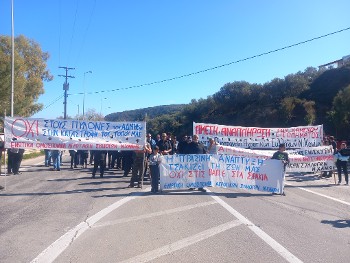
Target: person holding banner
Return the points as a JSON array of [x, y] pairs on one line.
[[342, 162], [138, 166], [164, 145], [99, 160], [47, 157], [154, 161], [281, 155], [212, 148], [56, 160], [195, 147]]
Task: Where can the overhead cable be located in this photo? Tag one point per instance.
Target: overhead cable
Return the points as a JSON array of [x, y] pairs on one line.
[[216, 67]]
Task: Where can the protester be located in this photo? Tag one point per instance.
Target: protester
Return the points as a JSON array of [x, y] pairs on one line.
[[126, 162], [47, 157], [175, 144], [333, 143], [84, 158], [164, 145], [181, 147], [281, 155], [119, 158], [15, 157], [342, 162], [99, 161], [154, 161], [114, 154], [138, 166], [152, 144], [72, 154], [56, 160], [212, 148], [327, 174], [195, 147], [169, 138], [11, 159], [151, 141]]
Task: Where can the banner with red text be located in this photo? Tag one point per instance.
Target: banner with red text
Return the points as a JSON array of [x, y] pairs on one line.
[[311, 159], [33, 133], [181, 171], [254, 137]]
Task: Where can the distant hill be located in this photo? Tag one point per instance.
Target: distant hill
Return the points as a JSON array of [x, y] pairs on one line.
[[139, 114]]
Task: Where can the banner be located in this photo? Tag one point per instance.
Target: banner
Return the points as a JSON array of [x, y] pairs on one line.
[[181, 171], [312, 159], [32, 133], [254, 137]]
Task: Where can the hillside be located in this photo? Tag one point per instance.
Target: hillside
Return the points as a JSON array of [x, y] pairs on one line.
[[139, 114]]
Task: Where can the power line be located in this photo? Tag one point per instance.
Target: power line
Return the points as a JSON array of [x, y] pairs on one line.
[[53, 102], [86, 31], [216, 67], [71, 40]]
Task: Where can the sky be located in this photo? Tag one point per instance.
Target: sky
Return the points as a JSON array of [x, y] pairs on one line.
[[138, 51]]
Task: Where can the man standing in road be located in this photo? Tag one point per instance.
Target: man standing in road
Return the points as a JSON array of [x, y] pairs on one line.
[[99, 160], [281, 155], [195, 147]]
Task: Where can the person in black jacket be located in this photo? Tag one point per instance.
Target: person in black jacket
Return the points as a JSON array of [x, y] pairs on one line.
[[99, 160], [281, 155], [164, 145], [195, 147]]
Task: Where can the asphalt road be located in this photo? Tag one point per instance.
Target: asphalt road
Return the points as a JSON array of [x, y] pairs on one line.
[[66, 216]]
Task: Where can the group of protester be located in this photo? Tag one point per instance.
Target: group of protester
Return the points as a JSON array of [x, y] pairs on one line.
[[146, 161], [341, 157]]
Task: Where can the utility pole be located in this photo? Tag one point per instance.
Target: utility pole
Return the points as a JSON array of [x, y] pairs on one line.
[[66, 88]]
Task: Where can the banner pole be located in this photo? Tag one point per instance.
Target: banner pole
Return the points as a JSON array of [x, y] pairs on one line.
[[143, 168], [5, 153]]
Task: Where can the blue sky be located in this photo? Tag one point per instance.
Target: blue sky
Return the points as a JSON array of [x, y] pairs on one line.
[[131, 43]]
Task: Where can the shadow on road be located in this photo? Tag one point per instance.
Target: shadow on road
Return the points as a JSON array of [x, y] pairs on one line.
[[77, 191], [337, 223]]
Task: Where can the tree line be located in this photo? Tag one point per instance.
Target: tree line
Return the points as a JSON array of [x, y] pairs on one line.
[[309, 97]]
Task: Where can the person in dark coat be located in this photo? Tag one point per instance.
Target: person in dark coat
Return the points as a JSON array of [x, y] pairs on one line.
[[281, 155], [127, 162], [164, 145], [195, 147], [99, 160]]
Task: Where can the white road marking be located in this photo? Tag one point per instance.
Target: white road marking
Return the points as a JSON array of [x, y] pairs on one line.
[[146, 257], [326, 196], [282, 251], [56, 248], [166, 212]]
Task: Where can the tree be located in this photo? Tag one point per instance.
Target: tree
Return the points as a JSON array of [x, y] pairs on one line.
[[340, 113], [90, 115], [30, 71]]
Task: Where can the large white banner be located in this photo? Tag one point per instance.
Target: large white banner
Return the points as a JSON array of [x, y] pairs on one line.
[[181, 171], [254, 137], [33, 133], [312, 159]]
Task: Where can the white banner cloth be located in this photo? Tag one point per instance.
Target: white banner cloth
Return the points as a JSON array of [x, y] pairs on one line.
[[255, 137], [181, 171], [33, 133]]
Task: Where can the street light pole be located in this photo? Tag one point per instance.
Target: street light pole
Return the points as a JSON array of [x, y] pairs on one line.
[[12, 60], [84, 93]]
